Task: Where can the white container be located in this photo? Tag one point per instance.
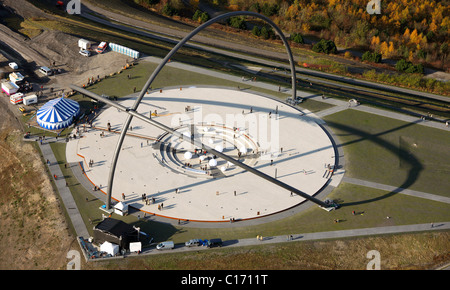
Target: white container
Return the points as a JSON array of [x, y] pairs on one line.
[[84, 44], [31, 99]]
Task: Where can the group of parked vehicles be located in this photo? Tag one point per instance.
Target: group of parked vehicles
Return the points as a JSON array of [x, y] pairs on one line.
[[191, 243], [85, 47]]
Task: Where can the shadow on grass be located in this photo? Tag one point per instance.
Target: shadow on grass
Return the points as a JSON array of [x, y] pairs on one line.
[[415, 166]]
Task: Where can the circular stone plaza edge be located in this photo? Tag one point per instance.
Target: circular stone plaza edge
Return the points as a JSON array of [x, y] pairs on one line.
[[182, 182]]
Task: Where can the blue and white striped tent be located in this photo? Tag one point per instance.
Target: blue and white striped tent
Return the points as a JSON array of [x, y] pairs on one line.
[[57, 113]]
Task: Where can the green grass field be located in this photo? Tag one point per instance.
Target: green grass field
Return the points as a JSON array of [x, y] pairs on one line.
[[393, 152]]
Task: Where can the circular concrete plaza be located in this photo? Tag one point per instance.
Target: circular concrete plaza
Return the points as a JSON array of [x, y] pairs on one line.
[[191, 184]]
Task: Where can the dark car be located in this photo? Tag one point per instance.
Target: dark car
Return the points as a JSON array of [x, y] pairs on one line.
[[214, 243]]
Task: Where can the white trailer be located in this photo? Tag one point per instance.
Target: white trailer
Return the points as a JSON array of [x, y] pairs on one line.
[[31, 99], [16, 77], [84, 44], [9, 88]]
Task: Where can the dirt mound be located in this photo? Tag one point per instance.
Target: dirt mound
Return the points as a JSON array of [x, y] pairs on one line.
[[62, 50]]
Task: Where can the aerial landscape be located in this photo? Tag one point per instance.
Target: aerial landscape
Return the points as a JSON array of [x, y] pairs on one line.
[[224, 135]]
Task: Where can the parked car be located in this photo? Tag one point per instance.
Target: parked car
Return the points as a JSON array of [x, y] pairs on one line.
[[214, 243], [85, 52], [193, 242], [168, 245], [45, 71], [13, 65]]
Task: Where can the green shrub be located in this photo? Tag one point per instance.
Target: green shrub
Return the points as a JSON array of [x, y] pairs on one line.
[[297, 38], [408, 67], [372, 57], [237, 22], [256, 31], [325, 46], [200, 16], [169, 10]]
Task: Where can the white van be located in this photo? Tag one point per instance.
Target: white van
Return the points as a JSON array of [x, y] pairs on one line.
[[165, 245], [45, 71]]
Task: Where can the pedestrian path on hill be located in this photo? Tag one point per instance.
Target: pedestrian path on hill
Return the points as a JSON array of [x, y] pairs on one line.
[[64, 191]]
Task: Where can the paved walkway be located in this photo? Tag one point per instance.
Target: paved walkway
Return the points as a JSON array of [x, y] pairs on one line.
[[64, 191], [396, 189]]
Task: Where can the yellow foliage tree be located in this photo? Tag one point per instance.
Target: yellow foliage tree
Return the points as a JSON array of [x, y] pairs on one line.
[[384, 49]]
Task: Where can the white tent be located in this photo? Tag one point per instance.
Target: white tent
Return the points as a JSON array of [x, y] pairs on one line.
[[187, 155], [109, 248], [121, 208], [213, 162]]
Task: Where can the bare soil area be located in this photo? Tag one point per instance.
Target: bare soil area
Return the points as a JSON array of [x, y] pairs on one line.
[[34, 233]]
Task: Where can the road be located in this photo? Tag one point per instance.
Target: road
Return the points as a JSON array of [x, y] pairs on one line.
[[249, 52], [244, 52]]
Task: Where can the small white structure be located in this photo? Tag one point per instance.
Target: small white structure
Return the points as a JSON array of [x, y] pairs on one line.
[[16, 77], [124, 50], [213, 162], [9, 88], [187, 155], [13, 65], [16, 98], [136, 247], [84, 44], [121, 208], [31, 99], [109, 248]]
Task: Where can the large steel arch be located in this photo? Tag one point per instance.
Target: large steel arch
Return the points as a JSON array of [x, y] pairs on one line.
[[132, 111], [166, 59]]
